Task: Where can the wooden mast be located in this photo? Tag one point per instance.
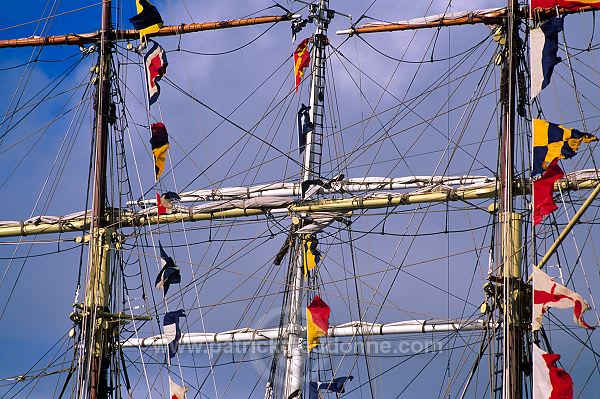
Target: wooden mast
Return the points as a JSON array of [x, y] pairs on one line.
[[509, 221], [95, 332]]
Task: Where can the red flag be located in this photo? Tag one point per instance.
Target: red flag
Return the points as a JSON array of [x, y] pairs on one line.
[[549, 381], [549, 294], [160, 208], [543, 201], [317, 321], [567, 4], [301, 61]]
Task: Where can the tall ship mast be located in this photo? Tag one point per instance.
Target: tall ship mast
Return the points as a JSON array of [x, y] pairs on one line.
[[400, 202]]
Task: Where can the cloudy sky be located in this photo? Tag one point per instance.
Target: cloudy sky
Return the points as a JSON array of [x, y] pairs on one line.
[[383, 119]]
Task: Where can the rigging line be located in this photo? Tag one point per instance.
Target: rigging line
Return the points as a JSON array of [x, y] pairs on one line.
[[569, 331], [251, 276], [581, 95], [27, 137], [360, 313], [282, 111], [227, 51], [389, 81], [31, 215], [394, 279], [366, 233], [367, 146], [45, 130], [383, 125], [38, 255], [126, 290], [424, 96], [38, 61], [429, 90], [157, 324], [231, 113], [579, 254], [227, 119], [55, 345], [336, 114], [261, 322], [410, 357], [245, 100], [401, 60], [469, 112], [576, 92], [207, 275], [238, 323], [212, 268], [402, 269], [58, 80], [49, 17], [364, 14], [386, 132], [195, 289], [23, 82]]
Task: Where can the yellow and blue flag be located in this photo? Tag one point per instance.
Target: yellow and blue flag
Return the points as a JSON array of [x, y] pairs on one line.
[[552, 141], [312, 255], [147, 20]]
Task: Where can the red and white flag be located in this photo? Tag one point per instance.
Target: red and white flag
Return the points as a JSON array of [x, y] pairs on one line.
[[161, 209], [550, 381], [156, 67], [176, 391], [549, 294]]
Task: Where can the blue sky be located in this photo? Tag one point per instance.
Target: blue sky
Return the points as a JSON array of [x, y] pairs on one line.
[[430, 286]]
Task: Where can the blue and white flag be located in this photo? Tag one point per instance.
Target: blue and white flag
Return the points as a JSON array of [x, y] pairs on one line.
[[169, 274], [304, 127], [171, 330], [543, 53], [335, 385]]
